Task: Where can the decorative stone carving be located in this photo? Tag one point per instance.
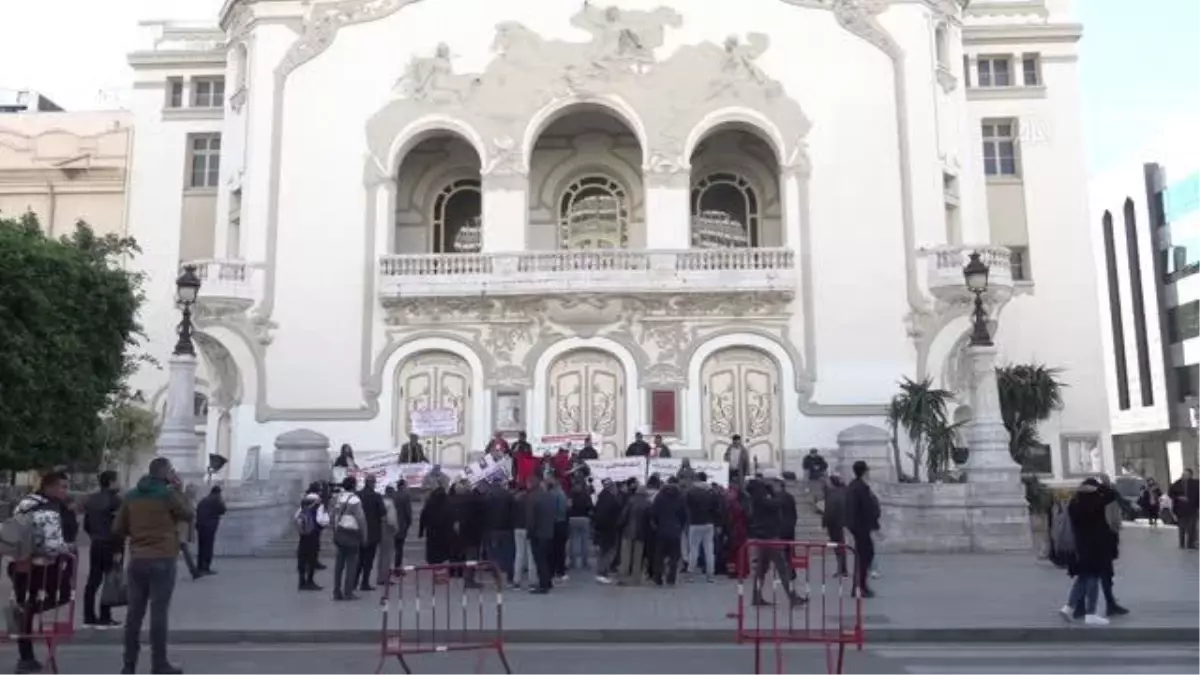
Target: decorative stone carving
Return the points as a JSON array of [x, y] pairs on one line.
[[256, 326], [529, 73], [227, 391]]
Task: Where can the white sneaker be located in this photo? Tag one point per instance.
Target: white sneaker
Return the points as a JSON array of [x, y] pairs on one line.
[[1067, 612], [1095, 620], [875, 574], [601, 579]]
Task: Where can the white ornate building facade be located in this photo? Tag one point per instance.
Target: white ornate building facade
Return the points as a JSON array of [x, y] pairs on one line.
[[563, 216]]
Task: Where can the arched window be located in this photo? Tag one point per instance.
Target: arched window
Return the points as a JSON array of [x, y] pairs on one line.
[[725, 212], [456, 218], [594, 213]]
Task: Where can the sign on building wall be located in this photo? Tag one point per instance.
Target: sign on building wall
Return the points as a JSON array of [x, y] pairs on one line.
[[434, 422]]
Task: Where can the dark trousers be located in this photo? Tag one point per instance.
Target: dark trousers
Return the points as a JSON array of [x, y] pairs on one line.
[[366, 563], [151, 583], [865, 550], [42, 588], [558, 554], [206, 535], [837, 535], [101, 557], [188, 560], [666, 552], [308, 551], [399, 550], [766, 558], [541, 560], [1106, 587], [345, 570], [1187, 530], [500, 550]]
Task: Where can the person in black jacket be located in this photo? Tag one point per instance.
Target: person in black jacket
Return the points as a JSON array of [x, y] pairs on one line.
[[541, 518], [468, 523], [402, 500], [208, 517], [668, 514], [834, 519], [98, 513], [1185, 503], [704, 512], [862, 518], [498, 528], [436, 525], [1094, 549], [375, 511], [765, 524], [588, 451], [579, 526], [639, 447], [604, 527]]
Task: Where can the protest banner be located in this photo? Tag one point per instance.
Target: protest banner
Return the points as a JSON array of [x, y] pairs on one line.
[[387, 470], [716, 471], [618, 470], [488, 469], [434, 422], [551, 444]]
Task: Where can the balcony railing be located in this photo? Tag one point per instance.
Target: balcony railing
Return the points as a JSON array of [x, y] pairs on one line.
[[232, 283], [946, 263], [592, 271]]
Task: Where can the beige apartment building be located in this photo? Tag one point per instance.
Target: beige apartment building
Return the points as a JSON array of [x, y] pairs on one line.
[[66, 167]]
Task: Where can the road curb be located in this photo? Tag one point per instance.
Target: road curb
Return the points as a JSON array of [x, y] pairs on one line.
[[1061, 634]]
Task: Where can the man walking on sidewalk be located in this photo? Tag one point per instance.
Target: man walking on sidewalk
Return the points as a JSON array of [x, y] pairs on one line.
[[99, 512], [150, 518], [862, 518]]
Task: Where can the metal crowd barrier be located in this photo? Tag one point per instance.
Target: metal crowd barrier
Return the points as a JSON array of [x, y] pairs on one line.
[[46, 613], [821, 609], [430, 609]]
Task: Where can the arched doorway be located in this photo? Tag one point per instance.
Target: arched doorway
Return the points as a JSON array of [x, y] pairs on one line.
[[586, 394], [430, 380], [740, 395]]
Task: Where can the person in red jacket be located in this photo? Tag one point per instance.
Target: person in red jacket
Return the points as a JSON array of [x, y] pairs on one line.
[[524, 463], [561, 462]]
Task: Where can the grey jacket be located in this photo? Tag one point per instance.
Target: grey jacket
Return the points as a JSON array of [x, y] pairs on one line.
[[542, 512]]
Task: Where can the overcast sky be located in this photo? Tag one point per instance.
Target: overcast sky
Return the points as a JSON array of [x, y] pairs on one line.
[[1140, 59]]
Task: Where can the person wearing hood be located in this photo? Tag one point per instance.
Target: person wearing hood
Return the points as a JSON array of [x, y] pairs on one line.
[[100, 510], [149, 519], [632, 526], [37, 580], [1094, 550], [668, 513], [208, 517], [310, 519]]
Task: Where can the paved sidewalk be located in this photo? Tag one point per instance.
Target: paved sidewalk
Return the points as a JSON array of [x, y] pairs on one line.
[[920, 598]]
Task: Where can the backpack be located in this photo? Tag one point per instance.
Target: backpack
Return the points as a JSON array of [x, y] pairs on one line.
[[18, 534], [306, 520], [1062, 536]]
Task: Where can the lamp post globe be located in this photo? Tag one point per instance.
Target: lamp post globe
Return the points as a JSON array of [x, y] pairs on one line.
[[187, 288], [976, 275]]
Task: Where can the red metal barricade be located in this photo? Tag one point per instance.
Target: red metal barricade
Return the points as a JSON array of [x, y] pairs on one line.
[[41, 606], [820, 608], [437, 609]]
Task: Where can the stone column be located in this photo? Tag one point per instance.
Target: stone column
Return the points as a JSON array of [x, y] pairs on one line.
[[990, 460], [869, 444], [177, 439], [668, 208], [505, 211]]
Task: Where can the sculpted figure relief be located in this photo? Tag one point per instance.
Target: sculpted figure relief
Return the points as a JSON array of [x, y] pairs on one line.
[[432, 78]]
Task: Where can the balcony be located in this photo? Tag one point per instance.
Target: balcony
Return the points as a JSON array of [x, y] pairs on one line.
[[945, 269], [614, 271], [228, 286]]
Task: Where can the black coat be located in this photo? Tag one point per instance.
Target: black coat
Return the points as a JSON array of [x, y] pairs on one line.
[[669, 513], [404, 512], [99, 511], [787, 516], [468, 517], [638, 449], [702, 505], [209, 512], [588, 452], [764, 521], [862, 509], [498, 510], [541, 514], [1187, 489], [437, 526], [1095, 542], [375, 512], [605, 516]]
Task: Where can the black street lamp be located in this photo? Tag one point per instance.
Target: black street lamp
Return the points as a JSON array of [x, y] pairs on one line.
[[187, 287], [976, 273]]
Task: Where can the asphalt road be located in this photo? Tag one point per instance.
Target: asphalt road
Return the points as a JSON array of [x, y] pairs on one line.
[[683, 659]]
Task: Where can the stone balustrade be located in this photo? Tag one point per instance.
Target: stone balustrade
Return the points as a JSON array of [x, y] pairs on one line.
[[946, 263], [228, 282], [593, 271]]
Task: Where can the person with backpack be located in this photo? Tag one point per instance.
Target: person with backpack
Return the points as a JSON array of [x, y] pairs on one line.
[[104, 553], [33, 540], [310, 519], [349, 533]]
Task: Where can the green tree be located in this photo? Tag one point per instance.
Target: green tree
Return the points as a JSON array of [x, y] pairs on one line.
[[1029, 394], [68, 341], [920, 410], [128, 432]]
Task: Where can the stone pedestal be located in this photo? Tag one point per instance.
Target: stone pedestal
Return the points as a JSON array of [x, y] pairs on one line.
[[301, 456], [869, 444], [177, 440], [988, 440]]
